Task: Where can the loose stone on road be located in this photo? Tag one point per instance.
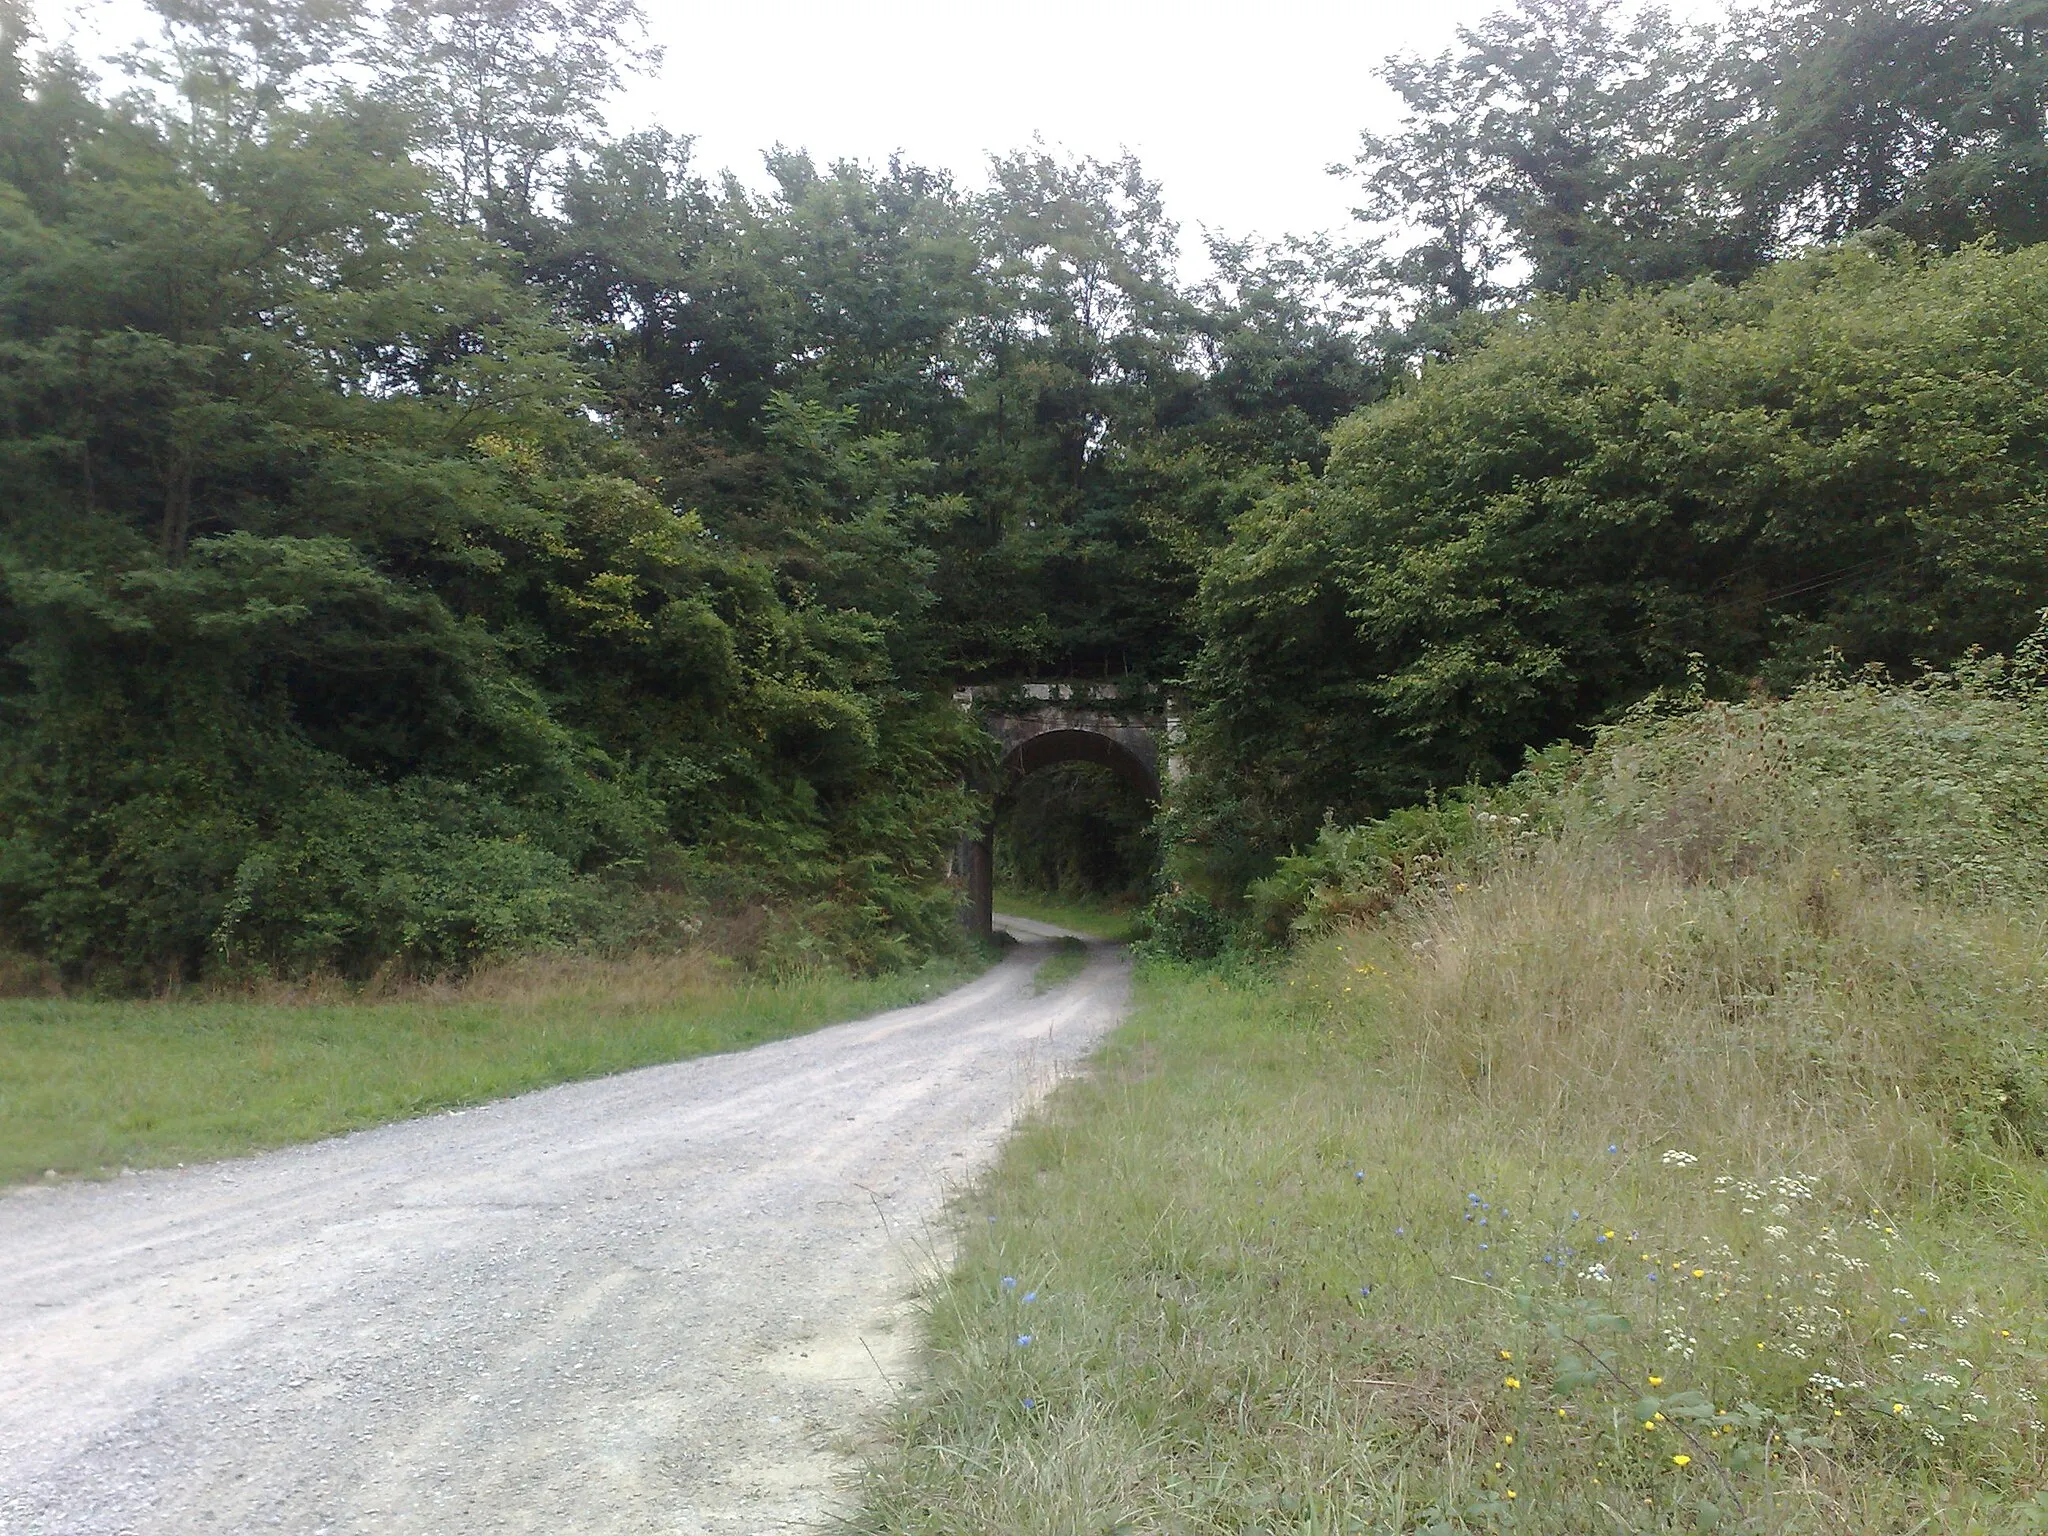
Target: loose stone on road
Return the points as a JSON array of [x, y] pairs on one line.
[[662, 1301]]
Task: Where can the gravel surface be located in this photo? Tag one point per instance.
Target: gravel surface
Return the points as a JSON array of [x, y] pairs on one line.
[[662, 1301]]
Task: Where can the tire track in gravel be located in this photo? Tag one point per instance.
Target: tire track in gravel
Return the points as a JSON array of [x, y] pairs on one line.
[[662, 1301]]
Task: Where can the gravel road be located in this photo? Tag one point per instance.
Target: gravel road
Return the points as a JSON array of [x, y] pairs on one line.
[[662, 1301]]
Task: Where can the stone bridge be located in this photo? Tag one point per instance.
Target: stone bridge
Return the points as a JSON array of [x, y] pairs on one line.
[[1130, 731]]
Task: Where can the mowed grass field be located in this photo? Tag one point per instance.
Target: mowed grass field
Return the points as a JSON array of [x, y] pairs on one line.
[[87, 1088], [1581, 1200]]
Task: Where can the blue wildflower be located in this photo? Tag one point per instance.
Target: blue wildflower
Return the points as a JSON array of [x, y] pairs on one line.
[[1009, 1282], [1023, 1339]]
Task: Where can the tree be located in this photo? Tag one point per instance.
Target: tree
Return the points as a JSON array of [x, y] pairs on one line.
[[502, 89], [343, 629], [1841, 458], [1926, 115], [1564, 144]]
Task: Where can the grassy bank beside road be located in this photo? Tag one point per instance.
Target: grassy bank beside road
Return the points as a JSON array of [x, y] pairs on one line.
[[1583, 1188], [90, 1087]]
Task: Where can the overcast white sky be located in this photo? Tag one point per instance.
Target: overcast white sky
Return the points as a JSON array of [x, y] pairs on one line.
[[1237, 109]]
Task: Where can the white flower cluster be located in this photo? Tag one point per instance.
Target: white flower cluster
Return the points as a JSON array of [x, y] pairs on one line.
[[1677, 1159]]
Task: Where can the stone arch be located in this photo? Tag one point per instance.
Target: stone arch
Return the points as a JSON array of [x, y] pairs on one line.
[[1078, 744], [1038, 724]]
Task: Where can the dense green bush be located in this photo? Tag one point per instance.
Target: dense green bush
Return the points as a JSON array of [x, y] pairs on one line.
[[344, 630], [1845, 456]]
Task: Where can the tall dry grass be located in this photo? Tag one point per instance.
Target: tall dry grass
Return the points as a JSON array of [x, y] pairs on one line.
[[1810, 1013]]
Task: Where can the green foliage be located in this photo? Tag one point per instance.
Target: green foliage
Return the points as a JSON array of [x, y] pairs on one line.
[[1939, 786], [1560, 147], [1841, 457], [344, 630], [1182, 925], [437, 528]]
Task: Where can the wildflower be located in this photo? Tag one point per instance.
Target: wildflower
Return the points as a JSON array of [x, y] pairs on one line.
[[1009, 1282], [1031, 1295], [1681, 1460], [1507, 1354], [1023, 1340], [1677, 1159], [1512, 1383], [1699, 1274], [1656, 1381], [1898, 1407], [1511, 1493], [1507, 1439], [1613, 1147]]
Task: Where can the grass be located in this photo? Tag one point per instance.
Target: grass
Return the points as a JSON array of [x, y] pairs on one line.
[[1585, 1198], [1068, 959], [87, 1088], [1098, 917]]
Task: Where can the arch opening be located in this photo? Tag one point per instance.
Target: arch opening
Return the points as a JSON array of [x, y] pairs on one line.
[[1070, 827]]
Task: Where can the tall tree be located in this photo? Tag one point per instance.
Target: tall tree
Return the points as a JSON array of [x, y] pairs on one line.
[[502, 89]]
